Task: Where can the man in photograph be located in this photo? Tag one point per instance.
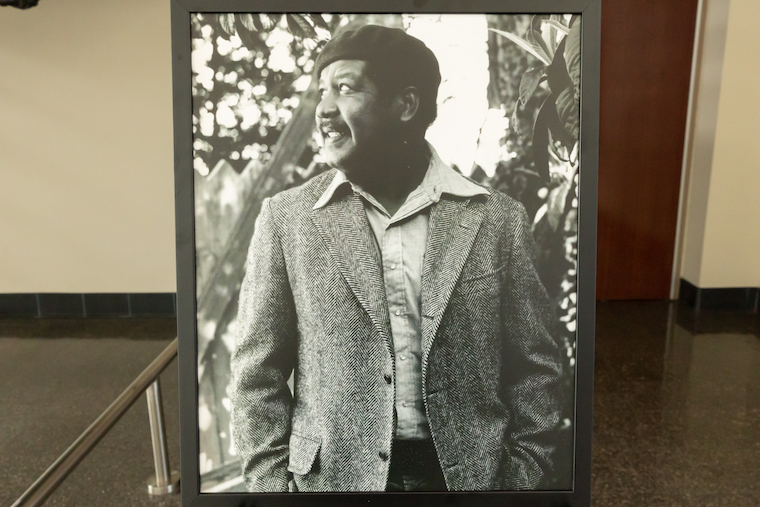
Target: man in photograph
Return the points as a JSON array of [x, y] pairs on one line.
[[404, 299]]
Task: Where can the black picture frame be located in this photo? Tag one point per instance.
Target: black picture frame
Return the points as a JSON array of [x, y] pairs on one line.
[[590, 13]]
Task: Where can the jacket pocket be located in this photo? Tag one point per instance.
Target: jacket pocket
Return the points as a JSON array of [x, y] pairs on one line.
[[303, 454], [487, 283], [474, 277]]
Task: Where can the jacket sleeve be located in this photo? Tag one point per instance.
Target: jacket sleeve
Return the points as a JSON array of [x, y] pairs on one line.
[[264, 357], [531, 365]]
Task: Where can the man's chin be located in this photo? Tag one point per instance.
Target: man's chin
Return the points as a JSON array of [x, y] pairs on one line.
[[337, 158], [349, 161]]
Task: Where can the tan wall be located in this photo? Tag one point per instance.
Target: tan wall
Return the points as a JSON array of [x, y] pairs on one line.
[[86, 177], [731, 256], [86, 191], [709, 65], [722, 221]]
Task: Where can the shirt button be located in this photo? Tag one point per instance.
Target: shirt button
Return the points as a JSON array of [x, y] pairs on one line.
[[397, 312], [393, 266], [383, 455], [387, 378], [405, 404], [402, 357]]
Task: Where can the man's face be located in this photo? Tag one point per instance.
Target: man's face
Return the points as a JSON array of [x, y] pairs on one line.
[[352, 119]]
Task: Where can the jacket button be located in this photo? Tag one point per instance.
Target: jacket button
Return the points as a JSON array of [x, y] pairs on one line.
[[383, 455], [387, 378]]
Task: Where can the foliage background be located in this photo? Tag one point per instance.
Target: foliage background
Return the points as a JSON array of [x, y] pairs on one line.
[[254, 102]]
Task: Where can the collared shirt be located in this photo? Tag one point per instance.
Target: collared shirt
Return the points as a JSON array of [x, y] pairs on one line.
[[402, 239]]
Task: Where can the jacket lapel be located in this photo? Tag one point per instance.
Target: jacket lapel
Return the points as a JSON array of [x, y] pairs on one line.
[[452, 230], [343, 225]]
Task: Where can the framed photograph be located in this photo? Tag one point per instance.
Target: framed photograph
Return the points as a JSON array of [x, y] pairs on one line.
[[386, 248]]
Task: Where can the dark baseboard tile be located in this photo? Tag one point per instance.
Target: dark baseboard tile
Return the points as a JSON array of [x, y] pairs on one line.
[[90, 305], [19, 305], [744, 299], [60, 305], [106, 305], [688, 293], [156, 303]]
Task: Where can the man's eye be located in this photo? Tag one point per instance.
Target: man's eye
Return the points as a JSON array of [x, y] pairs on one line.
[[343, 87]]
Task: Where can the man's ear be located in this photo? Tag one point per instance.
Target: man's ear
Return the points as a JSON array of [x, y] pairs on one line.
[[407, 103]]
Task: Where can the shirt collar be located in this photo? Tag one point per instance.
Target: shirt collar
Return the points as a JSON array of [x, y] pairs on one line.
[[439, 179]]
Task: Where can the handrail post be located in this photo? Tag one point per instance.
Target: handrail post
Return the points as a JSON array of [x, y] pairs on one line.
[[166, 482]]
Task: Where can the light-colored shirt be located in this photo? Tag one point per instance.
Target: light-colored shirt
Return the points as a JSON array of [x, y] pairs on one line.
[[402, 239]]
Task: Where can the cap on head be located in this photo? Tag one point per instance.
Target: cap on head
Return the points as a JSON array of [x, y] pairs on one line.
[[396, 58]]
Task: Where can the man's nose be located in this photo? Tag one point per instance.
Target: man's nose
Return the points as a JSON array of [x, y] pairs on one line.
[[326, 107]]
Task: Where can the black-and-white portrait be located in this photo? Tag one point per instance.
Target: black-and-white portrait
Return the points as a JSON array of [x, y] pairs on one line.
[[386, 250]]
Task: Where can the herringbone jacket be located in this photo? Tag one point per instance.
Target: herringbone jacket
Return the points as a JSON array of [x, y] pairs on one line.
[[313, 302]]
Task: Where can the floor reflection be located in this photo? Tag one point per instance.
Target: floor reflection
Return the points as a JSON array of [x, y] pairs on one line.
[[677, 410], [676, 422]]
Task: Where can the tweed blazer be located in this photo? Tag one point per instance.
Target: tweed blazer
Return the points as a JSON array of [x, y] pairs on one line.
[[313, 303]]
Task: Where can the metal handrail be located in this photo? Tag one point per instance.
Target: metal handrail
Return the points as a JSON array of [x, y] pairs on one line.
[[47, 483]]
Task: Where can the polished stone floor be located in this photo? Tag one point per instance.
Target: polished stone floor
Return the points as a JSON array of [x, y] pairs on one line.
[[52, 388], [676, 422], [676, 407]]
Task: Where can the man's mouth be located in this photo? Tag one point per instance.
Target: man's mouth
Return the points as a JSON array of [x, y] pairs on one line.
[[332, 132]]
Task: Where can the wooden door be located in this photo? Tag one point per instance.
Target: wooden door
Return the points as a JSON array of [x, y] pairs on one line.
[[645, 69]]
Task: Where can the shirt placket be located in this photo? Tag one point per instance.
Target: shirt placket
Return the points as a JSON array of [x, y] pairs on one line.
[[393, 269]]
